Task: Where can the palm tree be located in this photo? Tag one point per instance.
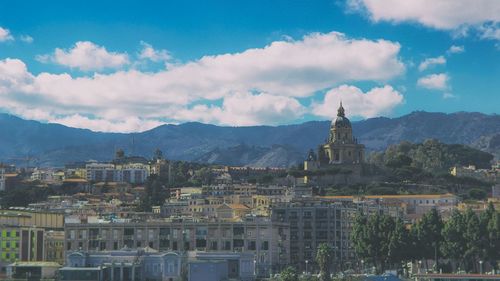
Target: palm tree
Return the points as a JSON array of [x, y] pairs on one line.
[[324, 256]]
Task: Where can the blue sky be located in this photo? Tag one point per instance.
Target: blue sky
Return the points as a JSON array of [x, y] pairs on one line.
[[133, 65]]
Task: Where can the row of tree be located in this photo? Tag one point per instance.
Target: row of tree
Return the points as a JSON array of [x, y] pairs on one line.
[[324, 259], [459, 242]]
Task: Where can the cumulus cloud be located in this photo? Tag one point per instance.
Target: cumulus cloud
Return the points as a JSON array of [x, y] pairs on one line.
[[86, 56], [148, 52], [431, 62], [375, 102], [256, 86], [26, 39], [434, 81], [5, 35], [455, 49], [246, 109], [453, 15]]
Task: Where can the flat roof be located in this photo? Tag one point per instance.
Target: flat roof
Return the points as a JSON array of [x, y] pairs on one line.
[[35, 264], [460, 276], [390, 196]]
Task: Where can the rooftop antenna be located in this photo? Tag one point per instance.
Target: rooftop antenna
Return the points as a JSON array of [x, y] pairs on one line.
[[133, 144]]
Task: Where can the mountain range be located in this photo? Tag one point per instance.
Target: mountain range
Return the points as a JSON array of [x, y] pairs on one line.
[[277, 146]]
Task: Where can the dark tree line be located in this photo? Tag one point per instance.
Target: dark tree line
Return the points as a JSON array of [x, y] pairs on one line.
[[459, 242]]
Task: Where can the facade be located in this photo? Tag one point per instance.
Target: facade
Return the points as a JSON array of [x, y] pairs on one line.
[[126, 264], [267, 240], [107, 172], [32, 270], [20, 244], [54, 246], [341, 150], [2, 179], [26, 218], [342, 147], [206, 266], [413, 204], [314, 221]]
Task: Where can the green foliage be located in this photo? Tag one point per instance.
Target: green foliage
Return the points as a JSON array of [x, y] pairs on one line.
[[477, 194], [289, 274], [454, 244], [24, 194], [324, 258], [430, 156], [155, 194]]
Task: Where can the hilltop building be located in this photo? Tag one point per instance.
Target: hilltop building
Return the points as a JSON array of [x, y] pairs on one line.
[[339, 159]]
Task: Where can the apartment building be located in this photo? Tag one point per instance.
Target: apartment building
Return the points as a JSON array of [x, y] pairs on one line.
[[267, 240], [20, 244], [314, 221], [108, 172]]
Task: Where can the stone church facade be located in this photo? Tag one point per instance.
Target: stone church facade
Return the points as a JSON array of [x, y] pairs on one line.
[[340, 159]]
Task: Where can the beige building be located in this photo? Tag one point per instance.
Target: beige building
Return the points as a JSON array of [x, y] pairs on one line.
[[268, 241], [54, 246]]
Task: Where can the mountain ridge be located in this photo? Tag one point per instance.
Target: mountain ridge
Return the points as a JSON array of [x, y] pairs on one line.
[[55, 144]]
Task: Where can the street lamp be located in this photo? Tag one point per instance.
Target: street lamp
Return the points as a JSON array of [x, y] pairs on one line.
[[362, 266], [306, 267], [481, 267], [255, 267], [419, 266]]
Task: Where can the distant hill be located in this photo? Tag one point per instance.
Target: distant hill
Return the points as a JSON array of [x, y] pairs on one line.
[[55, 145]]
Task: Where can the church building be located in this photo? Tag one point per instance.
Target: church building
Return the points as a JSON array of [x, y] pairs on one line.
[[341, 149]]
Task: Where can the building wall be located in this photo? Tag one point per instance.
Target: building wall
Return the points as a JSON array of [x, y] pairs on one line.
[[2, 179], [268, 241], [20, 244], [313, 222]]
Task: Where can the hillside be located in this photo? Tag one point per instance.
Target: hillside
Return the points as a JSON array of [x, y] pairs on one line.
[[54, 145]]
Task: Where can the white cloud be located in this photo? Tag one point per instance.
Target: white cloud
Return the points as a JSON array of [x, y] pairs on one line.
[[455, 49], [86, 56], [148, 52], [375, 102], [246, 109], [453, 15], [431, 62], [256, 86], [434, 81], [5, 35], [26, 39]]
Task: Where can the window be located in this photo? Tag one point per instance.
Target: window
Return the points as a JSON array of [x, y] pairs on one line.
[[264, 246]]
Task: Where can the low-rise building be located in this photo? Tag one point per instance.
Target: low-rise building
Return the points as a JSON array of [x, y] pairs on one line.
[[122, 265], [32, 270], [267, 240]]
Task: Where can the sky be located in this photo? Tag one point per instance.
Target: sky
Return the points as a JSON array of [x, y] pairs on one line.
[[129, 66]]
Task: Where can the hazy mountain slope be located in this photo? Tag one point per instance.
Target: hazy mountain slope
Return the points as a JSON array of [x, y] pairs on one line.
[[55, 144]]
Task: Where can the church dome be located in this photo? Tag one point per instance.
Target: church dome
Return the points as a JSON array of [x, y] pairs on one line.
[[341, 120]]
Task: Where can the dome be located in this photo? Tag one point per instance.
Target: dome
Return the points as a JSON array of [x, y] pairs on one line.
[[341, 120]]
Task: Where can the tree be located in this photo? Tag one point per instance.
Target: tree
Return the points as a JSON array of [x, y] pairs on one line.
[[324, 258], [398, 244], [493, 230], [371, 238], [289, 274], [454, 243], [472, 237], [429, 235]]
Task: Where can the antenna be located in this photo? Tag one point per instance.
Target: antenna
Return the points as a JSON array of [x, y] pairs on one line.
[[133, 145]]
